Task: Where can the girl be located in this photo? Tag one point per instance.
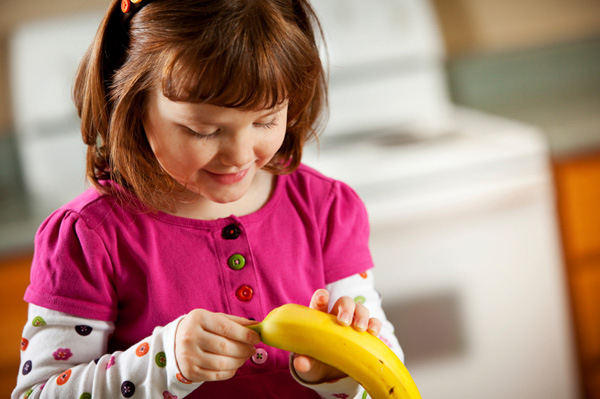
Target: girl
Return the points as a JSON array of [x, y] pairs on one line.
[[201, 217]]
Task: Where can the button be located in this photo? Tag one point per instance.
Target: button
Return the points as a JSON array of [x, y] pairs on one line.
[[231, 232], [236, 262], [244, 293], [260, 356]]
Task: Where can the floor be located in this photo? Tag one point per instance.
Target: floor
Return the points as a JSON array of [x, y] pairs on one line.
[[14, 277]]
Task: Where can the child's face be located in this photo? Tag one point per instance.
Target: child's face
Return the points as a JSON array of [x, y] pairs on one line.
[[214, 151]]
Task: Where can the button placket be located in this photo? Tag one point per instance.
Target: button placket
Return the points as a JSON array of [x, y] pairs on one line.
[[235, 255]]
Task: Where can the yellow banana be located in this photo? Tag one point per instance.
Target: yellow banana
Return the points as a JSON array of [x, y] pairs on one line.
[[361, 355]]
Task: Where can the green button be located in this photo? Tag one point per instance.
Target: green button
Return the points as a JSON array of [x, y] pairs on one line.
[[236, 262]]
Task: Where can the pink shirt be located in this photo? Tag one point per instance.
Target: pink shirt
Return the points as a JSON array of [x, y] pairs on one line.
[[97, 259]]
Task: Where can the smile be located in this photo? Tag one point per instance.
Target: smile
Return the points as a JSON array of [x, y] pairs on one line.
[[228, 178]]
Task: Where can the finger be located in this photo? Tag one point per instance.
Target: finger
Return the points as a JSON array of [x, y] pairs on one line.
[[218, 345], [361, 318], [344, 309], [374, 327], [199, 374], [240, 320], [320, 300], [302, 363], [313, 371], [228, 326], [215, 362]]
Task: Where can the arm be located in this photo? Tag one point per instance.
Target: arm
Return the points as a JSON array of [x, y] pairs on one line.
[[361, 289], [65, 356]]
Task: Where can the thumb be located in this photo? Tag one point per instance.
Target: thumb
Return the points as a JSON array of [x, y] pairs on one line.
[[320, 300]]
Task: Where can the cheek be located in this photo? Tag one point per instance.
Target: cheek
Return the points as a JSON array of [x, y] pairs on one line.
[[271, 146], [176, 157]]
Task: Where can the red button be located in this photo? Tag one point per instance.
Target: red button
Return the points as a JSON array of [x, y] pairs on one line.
[[244, 293], [260, 356]]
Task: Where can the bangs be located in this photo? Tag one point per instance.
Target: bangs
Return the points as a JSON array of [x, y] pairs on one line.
[[263, 64]]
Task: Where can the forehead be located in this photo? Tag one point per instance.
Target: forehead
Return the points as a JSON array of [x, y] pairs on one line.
[[193, 112]]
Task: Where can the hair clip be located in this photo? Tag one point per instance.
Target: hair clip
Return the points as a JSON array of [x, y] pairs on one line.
[[126, 5]]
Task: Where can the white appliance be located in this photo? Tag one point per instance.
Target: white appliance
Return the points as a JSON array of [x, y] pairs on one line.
[[463, 227], [43, 60]]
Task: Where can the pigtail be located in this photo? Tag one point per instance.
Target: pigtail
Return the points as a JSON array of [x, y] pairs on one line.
[[91, 88]]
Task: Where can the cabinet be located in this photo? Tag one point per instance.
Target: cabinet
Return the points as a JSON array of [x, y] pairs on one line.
[[14, 278], [578, 198]]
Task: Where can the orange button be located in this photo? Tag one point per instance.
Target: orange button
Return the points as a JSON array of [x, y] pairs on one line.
[[244, 293]]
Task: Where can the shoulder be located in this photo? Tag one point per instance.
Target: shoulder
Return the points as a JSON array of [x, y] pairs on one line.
[[315, 183], [89, 214], [326, 196]]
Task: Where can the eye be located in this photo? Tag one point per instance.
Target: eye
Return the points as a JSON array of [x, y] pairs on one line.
[[267, 125], [200, 135]]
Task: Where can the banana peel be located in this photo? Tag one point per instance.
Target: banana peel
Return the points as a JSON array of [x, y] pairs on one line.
[[361, 355]]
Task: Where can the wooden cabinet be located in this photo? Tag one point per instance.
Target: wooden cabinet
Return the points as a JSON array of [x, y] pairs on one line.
[[14, 278], [578, 198]]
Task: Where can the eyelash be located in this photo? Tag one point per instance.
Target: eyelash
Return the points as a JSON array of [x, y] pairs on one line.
[[200, 136], [267, 125]]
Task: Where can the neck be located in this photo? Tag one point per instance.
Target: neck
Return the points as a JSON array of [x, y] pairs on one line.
[[257, 196]]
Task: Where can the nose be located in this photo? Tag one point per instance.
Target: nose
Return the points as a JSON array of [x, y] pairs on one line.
[[238, 150]]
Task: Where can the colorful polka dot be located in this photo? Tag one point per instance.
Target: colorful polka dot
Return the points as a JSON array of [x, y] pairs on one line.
[[167, 395], [86, 395], [27, 367], [365, 395], [64, 377], [127, 389], [111, 362], [38, 322], [161, 359], [364, 275], [142, 349], [360, 299], [28, 393], [62, 354], [24, 343]]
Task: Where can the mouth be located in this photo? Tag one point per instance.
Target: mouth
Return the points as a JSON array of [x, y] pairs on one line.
[[228, 178]]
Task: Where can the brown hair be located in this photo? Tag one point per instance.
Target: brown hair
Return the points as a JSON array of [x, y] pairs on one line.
[[250, 54]]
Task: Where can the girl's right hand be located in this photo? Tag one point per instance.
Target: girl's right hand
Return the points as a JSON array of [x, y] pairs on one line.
[[212, 346]]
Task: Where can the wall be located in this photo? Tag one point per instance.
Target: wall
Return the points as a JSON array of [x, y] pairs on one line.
[[12, 15], [503, 25]]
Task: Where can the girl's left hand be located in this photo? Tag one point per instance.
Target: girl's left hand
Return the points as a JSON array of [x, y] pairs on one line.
[[348, 313]]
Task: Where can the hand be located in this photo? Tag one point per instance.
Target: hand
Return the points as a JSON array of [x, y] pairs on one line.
[[348, 313], [212, 346]]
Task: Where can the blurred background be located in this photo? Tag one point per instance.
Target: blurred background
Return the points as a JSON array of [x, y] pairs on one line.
[[471, 129]]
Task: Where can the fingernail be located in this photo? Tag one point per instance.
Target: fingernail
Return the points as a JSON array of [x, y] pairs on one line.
[[361, 325], [345, 318]]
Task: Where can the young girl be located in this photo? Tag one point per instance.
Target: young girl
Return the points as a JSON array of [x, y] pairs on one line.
[[201, 217]]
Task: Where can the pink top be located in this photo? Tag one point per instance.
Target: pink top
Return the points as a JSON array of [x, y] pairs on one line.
[[96, 259]]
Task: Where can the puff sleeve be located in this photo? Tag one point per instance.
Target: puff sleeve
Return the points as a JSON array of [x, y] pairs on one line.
[[71, 270], [345, 234]]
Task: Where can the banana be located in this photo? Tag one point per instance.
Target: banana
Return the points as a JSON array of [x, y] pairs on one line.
[[364, 357]]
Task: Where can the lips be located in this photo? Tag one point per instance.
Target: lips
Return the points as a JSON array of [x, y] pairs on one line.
[[228, 178]]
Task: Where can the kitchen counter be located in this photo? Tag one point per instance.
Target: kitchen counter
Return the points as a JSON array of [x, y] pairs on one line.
[[556, 88]]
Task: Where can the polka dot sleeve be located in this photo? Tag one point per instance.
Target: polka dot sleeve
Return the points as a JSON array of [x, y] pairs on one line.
[[64, 356], [361, 287]]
